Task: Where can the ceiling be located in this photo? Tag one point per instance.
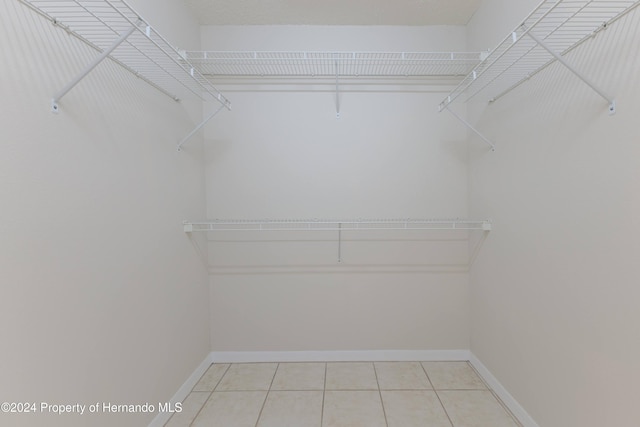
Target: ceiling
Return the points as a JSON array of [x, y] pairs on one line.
[[333, 12]]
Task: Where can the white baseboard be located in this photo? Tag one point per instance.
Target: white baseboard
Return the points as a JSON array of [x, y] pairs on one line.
[[162, 418], [510, 402], [338, 356]]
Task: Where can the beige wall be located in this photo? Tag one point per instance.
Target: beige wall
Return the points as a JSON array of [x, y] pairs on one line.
[[281, 153], [554, 290], [104, 298]]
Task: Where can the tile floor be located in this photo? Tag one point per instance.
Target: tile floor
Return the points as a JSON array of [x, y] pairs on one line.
[[349, 394]]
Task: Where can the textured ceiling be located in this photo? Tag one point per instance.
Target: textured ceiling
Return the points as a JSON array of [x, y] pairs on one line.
[[333, 12]]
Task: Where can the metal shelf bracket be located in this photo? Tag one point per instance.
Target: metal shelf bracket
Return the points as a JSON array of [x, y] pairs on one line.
[[339, 243], [560, 58], [105, 53], [469, 126], [337, 90], [197, 128]]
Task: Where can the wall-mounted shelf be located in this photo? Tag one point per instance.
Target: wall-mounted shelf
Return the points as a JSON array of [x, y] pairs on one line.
[[335, 225], [338, 226], [117, 32], [551, 31], [330, 64], [334, 65]]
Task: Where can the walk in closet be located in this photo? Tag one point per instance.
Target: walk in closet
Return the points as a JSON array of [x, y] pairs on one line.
[[424, 208]]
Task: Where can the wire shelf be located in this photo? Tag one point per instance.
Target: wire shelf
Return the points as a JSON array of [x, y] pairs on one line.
[[335, 225], [144, 52], [561, 25], [332, 64]]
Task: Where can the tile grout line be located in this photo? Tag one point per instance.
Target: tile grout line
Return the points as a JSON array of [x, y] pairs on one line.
[[507, 410], [384, 412], [504, 406], [478, 375], [353, 389], [243, 391], [210, 393], [437, 395], [464, 389], [324, 390], [201, 407], [274, 390], [221, 377], [267, 395]]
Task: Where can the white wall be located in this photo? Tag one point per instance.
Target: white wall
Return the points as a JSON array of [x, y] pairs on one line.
[[104, 298], [554, 290], [281, 153]]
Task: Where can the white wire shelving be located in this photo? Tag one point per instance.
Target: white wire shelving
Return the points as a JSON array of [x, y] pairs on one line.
[[335, 225], [332, 64], [552, 30], [116, 31]]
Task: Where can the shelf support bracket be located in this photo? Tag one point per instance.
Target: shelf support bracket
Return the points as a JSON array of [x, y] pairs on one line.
[[197, 128], [105, 53], [337, 91], [340, 243], [468, 125], [556, 55]]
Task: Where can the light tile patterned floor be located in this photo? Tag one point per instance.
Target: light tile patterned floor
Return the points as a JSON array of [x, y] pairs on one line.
[[346, 394]]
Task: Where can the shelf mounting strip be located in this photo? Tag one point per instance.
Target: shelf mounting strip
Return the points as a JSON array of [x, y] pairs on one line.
[[338, 226], [552, 30], [114, 29]]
